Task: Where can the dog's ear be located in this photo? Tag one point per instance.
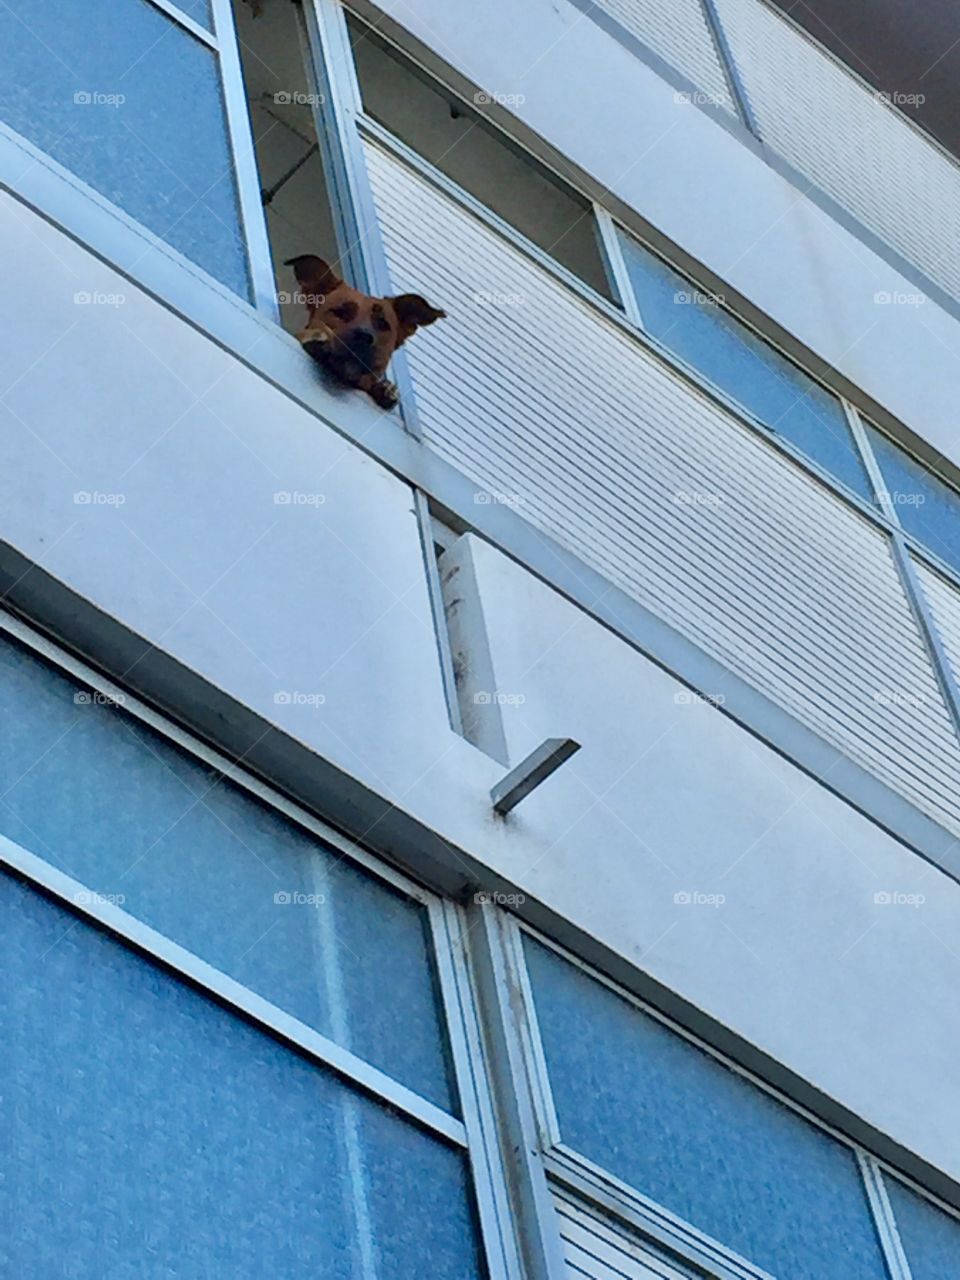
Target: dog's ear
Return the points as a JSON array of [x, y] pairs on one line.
[[412, 311], [314, 276]]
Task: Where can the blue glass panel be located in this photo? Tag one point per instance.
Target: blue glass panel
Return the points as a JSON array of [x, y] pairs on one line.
[[663, 1116], [927, 508], [129, 101], [198, 10], [930, 1237], [154, 1135], [129, 815], [748, 369]]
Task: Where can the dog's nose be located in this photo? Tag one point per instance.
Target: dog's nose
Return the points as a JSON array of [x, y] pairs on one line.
[[362, 337]]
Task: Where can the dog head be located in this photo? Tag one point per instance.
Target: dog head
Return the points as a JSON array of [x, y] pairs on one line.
[[366, 331]]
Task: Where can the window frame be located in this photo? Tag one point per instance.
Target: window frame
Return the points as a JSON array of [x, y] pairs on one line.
[[79, 208], [475, 1133], [611, 1197]]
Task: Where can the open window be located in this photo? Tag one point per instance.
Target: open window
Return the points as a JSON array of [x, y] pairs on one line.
[[283, 98], [299, 201], [455, 138]]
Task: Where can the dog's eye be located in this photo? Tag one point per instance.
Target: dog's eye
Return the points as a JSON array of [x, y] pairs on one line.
[[345, 311], [381, 323]]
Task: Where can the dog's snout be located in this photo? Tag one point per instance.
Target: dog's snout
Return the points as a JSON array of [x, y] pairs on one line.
[[362, 338]]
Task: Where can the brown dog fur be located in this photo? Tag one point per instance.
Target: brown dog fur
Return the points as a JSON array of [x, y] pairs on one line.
[[353, 335]]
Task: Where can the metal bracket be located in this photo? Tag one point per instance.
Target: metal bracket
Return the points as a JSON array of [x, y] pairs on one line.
[[529, 773]]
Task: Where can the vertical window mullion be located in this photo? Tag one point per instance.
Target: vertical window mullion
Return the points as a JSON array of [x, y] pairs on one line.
[[883, 1217], [869, 460], [907, 571], [488, 930], [476, 1102], [724, 49], [240, 133], [616, 265]]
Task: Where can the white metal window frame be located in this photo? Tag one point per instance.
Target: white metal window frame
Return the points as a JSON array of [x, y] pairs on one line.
[[475, 1134], [609, 1195], [254, 337]]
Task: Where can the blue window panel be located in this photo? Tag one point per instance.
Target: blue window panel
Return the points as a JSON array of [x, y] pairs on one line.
[[155, 1136], [930, 1237], [682, 1129], [129, 101], [739, 362], [198, 10], [129, 815], [926, 507]]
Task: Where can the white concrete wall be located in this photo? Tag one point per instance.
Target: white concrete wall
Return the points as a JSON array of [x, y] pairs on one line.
[[709, 193], [667, 797], [712, 863]]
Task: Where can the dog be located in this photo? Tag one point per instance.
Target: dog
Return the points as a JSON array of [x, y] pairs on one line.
[[351, 335]]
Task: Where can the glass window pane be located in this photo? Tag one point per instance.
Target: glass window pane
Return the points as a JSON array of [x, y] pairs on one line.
[[927, 508], [663, 1116], [129, 101], [198, 10], [225, 876], [751, 371], [437, 126], [153, 1134], [930, 1237]]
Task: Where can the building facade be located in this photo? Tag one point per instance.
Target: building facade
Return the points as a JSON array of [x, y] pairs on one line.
[[674, 482]]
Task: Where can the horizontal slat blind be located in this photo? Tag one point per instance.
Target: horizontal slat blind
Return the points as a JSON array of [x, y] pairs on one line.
[[678, 32], [854, 146], [550, 406], [593, 1248]]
